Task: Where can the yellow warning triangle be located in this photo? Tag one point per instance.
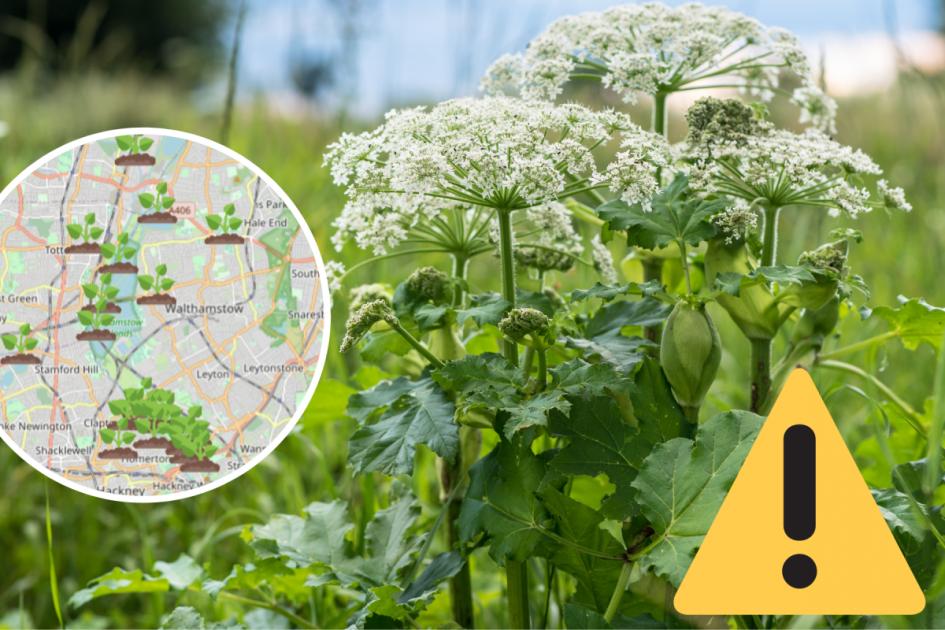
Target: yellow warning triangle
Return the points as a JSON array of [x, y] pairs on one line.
[[859, 568]]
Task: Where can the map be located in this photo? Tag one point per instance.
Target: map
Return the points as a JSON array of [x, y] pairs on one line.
[[163, 313]]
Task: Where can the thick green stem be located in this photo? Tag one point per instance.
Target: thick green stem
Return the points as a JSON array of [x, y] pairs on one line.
[[653, 267], [516, 572], [419, 347], [653, 270], [769, 243], [510, 348], [692, 421], [451, 476], [460, 266], [614, 605], [760, 368], [760, 357], [542, 368]]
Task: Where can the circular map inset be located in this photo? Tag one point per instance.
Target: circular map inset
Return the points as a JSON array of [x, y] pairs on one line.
[[163, 313]]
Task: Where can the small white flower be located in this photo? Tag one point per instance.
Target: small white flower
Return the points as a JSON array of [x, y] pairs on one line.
[[893, 198], [603, 261], [737, 222], [334, 271]]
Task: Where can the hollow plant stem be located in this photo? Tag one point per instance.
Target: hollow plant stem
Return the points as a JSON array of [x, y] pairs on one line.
[[760, 371], [460, 267], [653, 267], [692, 420], [510, 348], [413, 341], [542, 368], [760, 356], [516, 572], [460, 585], [769, 243]]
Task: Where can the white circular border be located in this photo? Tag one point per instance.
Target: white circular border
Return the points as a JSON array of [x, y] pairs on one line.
[[326, 317]]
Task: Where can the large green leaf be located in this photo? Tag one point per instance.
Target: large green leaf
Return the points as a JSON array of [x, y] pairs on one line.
[[491, 381], [602, 439], [732, 283], [590, 554], [119, 581], [607, 292], [422, 415], [677, 214], [488, 380], [682, 485], [485, 308], [914, 322], [319, 536], [501, 502], [613, 317]]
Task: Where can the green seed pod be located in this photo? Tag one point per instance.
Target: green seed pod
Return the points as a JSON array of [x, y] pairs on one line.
[[753, 310], [690, 352]]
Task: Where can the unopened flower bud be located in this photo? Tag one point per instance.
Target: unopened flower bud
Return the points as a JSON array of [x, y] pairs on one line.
[[828, 257], [713, 120], [690, 352], [521, 322], [368, 293], [363, 319], [428, 283]]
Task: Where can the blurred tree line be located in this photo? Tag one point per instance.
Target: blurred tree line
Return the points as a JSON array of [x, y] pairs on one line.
[[179, 38]]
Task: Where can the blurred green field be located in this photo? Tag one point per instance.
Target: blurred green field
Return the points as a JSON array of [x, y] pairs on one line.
[[902, 130]]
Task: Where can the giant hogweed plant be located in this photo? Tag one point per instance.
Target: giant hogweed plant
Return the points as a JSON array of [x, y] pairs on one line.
[[567, 428]]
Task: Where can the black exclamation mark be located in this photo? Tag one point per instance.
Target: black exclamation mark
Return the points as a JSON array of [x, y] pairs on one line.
[[800, 482]]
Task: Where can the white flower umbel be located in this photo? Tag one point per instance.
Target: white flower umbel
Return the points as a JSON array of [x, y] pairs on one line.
[[654, 49], [729, 152], [494, 152]]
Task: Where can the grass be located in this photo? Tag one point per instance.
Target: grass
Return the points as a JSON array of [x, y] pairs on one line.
[[82, 537]]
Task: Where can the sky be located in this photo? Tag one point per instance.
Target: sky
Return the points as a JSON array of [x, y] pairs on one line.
[[423, 50]]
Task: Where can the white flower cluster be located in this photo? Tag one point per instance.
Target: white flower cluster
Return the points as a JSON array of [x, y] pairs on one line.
[[496, 152], [545, 237], [651, 48], [782, 168], [335, 271], [736, 222], [631, 174], [603, 261]]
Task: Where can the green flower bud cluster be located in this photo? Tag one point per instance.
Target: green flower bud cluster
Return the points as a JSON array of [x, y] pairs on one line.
[[715, 121], [543, 259], [525, 322], [363, 319], [428, 283], [828, 257], [368, 293], [690, 352]]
